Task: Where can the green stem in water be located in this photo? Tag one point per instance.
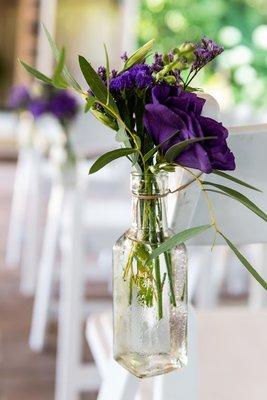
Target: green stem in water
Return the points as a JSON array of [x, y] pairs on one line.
[[167, 257], [159, 288], [153, 233]]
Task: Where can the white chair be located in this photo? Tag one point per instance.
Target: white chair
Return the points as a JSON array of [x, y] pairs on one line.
[[239, 224], [18, 208], [69, 212]]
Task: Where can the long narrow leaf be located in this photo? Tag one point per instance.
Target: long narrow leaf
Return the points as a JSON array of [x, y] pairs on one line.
[[95, 83], [234, 179], [36, 73], [106, 119], [178, 148], [66, 73], [245, 262], [177, 239], [108, 157], [152, 151], [139, 55], [239, 197], [57, 79], [90, 101], [107, 72]]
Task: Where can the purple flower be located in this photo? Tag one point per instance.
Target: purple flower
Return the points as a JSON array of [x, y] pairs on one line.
[[174, 110], [158, 63], [124, 56], [102, 73], [63, 105], [205, 52], [137, 77], [38, 107], [19, 97]]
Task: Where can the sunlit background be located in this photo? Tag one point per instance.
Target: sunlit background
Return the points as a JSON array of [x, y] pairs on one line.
[[237, 80]]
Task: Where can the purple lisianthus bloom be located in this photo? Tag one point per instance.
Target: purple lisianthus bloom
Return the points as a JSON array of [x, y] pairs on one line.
[[205, 52], [137, 77], [174, 110], [38, 107], [19, 97], [63, 105]]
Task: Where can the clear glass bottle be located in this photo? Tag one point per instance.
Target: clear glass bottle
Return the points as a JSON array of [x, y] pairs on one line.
[[150, 295]]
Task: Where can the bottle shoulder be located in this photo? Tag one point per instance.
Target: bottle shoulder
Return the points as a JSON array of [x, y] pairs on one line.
[[130, 237]]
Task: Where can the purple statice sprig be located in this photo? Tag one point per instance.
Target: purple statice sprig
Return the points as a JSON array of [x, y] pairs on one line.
[[205, 51], [137, 77]]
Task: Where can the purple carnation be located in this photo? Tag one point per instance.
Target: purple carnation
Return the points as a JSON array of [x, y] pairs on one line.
[[205, 52], [174, 110], [63, 105], [137, 77], [19, 97]]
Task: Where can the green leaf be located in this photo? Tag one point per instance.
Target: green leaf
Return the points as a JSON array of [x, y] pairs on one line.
[[178, 148], [67, 75], [177, 239], [139, 55], [245, 262], [36, 73], [90, 101], [96, 85], [193, 89], [107, 72], [57, 79], [151, 152], [236, 180], [110, 156], [239, 197], [106, 119]]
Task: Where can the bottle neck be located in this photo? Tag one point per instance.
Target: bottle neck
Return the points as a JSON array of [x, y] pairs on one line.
[[149, 220]]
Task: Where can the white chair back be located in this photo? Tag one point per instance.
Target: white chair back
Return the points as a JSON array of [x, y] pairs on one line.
[[249, 144]]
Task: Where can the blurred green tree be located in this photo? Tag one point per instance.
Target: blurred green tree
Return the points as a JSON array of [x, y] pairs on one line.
[[239, 25]]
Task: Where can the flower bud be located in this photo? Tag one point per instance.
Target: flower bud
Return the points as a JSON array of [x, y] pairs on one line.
[[170, 79]]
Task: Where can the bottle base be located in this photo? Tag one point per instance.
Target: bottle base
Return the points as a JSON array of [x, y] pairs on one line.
[[147, 366]]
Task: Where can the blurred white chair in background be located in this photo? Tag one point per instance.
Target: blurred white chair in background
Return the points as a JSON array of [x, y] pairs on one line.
[[24, 226], [239, 224], [69, 212], [20, 193]]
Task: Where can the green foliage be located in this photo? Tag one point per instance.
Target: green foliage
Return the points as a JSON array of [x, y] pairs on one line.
[[36, 73], [245, 262], [98, 88], [57, 79], [110, 156], [139, 55], [239, 197], [177, 239], [236, 180], [178, 148], [66, 73]]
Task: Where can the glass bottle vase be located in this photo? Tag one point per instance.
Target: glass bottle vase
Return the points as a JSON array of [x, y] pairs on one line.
[[149, 294]]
